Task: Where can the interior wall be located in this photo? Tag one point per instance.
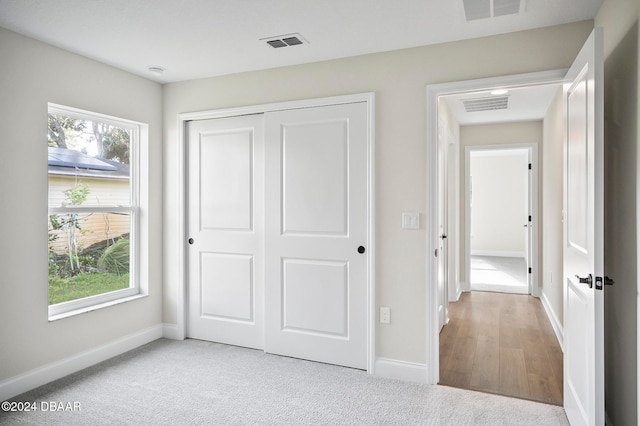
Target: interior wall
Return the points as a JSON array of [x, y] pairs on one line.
[[399, 79], [619, 19], [551, 168], [494, 134], [31, 75]]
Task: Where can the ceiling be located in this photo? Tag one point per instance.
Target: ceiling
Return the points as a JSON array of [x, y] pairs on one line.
[[202, 38], [523, 104]]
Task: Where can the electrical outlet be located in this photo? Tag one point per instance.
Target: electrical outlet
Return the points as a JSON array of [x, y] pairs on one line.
[[385, 315]]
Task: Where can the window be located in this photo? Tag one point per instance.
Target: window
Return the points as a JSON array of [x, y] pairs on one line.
[[93, 219]]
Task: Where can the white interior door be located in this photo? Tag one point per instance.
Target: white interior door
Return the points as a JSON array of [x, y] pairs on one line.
[[443, 214], [316, 234], [584, 238], [225, 230]]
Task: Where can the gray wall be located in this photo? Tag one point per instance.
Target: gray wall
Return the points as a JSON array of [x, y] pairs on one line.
[[619, 18], [32, 74]]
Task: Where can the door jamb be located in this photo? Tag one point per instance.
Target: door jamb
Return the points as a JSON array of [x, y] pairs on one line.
[[433, 92], [183, 118]]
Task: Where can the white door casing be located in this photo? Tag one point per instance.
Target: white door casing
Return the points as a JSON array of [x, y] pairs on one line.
[[316, 191], [529, 227], [584, 237], [225, 229]]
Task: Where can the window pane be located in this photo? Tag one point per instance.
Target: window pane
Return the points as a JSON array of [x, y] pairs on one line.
[[88, 162], [88, 254]]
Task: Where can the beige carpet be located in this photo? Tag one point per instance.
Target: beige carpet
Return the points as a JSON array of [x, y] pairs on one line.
[[201, 383]]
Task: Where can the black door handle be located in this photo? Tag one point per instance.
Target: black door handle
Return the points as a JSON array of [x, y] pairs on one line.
[[588, 280], [361, 249], [190, 240]]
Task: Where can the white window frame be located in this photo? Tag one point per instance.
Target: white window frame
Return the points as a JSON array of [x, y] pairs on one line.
[[138, 155]]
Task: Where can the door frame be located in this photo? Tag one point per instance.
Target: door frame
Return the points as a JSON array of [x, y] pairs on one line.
[[433, 93], [181, 225], [532, 205]]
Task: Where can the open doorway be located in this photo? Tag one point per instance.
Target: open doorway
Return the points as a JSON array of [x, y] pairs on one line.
[[575, 118], [500, 189], [494, 340]]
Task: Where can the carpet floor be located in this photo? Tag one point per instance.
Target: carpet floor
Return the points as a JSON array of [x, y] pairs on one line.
[[192, 382]]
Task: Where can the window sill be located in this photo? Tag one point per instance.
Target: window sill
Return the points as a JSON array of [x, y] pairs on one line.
[[96, 307]]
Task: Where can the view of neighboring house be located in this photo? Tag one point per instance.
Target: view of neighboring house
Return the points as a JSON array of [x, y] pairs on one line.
[[108, 184]]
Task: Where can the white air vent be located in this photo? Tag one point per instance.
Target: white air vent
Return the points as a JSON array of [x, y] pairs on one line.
[[492, 103], [483, 9], [286, 40]]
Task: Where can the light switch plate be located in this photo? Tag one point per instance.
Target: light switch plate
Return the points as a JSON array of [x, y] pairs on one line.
[[410, 220], [385, 315]]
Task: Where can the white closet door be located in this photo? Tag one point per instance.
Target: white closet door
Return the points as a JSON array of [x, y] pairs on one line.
[[225, 230], [316, 234]]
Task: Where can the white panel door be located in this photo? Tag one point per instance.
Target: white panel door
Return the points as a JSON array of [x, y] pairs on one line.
[[443, 214], [225, 230], [316, 224], [584, 238]]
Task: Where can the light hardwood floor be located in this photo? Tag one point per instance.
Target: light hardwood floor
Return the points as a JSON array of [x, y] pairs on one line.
[[503, 344]]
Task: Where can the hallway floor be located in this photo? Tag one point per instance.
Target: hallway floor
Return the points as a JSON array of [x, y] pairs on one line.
[[503, 344]]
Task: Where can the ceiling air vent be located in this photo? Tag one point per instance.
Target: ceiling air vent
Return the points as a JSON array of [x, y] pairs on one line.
[[284, 40], [483, 9], [492, 103]]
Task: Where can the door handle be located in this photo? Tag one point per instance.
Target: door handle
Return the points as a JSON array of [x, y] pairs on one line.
[[588, 280], [190, 240], [361, 249]]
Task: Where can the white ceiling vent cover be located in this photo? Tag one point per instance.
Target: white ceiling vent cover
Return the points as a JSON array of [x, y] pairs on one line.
[[492, 103], [286, 40], [483, 9]]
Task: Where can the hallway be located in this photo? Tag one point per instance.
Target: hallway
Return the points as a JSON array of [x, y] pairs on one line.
[[503, 344]]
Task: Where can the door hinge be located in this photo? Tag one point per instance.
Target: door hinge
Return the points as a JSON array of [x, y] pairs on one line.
[[529, 270], [529, 166], [529, 218]]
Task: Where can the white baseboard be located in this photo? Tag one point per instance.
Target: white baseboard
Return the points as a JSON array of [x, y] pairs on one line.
[[170, 331], [553, 318], [498, 253], [400, 370], [47, 373], [456, 297]]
